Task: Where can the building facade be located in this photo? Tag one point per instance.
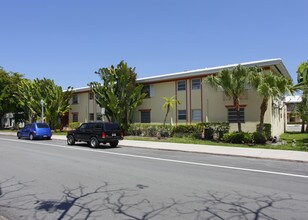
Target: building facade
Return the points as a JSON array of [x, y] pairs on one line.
[[198, 101]]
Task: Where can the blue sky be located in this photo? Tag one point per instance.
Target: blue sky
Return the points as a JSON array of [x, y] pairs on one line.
[[68, 40]]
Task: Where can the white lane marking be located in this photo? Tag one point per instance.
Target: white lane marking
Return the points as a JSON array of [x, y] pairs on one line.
[[162, 159]]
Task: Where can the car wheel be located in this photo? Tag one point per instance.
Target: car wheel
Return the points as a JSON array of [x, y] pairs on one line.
[[94, 142], [31, 137], [18, 135], [114, 143], [70, 140]]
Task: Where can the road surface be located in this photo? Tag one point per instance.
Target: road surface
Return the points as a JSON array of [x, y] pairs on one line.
[[50, 180]]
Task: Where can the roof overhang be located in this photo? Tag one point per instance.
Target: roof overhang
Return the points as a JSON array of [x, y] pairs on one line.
[[276, 64]]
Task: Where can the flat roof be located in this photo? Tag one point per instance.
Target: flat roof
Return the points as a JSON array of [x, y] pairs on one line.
[[276, 63]]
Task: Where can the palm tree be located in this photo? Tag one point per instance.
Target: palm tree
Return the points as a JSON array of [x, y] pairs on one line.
[[169, 104], [232, 82], [268, 85]]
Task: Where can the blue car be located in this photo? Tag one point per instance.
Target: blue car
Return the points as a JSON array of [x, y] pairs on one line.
[[35, 130]]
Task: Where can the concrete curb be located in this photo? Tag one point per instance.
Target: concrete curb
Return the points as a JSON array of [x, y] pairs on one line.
[[257, 153]]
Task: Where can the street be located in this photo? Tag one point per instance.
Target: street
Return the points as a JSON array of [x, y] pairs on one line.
[[50, 180]]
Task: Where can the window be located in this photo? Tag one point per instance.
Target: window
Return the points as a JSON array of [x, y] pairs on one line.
[[145, 117], [75, 117], [147, 90], [91, 116], [181, 85], [181, 114], [42, 125], [75, 99], [195, 84], [112, 127], [196, 115], [232, 115], [91, 95]]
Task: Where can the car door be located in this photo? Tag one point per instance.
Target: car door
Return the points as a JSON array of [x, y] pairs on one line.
[[88, 132], [25, 131], [79, 133]]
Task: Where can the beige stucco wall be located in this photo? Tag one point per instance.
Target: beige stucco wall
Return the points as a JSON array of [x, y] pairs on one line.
[[213, 104], [155, 103], [82, 108], [278, 119], [211, 101]]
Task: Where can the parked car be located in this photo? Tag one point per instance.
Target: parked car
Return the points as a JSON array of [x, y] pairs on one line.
[[35, 130], [95, 133]]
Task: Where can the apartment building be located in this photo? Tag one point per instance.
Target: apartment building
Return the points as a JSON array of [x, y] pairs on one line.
[[198, 101]]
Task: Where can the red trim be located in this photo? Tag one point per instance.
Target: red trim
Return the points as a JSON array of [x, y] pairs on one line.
[[201, 101], [176, 104], [232, 106], [186, 103], [145, 110], [190, 111], [179, 79]]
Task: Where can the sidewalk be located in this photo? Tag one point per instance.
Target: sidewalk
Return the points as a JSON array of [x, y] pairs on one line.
[[208, 149]]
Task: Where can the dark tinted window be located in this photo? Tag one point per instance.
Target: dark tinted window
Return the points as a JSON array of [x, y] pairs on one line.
[[145, 117], [111, 126], [232, 115], [42, 125], [98, 126]]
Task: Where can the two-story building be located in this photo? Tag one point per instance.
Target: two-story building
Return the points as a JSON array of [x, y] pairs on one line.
[[198, 101]]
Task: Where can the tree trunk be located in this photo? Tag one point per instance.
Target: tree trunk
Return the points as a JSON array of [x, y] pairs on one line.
[[263, 109], [236, 103], [1, 116], [303, 126], [168, 109]]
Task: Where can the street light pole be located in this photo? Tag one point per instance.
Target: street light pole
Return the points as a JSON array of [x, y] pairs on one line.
[[42, 104]]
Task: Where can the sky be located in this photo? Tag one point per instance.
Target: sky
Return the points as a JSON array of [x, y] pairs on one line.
[[68, 40]]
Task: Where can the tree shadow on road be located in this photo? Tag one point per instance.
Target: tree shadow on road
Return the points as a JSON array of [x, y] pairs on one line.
[[236, 205], [13, 195], [136, 203], [82, 203]]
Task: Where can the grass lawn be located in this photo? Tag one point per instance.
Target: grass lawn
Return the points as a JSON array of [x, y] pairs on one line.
[[301, 142]]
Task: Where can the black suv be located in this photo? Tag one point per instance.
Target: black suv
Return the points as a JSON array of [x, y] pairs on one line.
[[95, 133]]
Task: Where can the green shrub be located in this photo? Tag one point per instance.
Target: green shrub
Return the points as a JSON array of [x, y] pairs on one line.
[[150, 130], [214, 127], [259, 138], [74, 125], [238, 137], [267, 130]]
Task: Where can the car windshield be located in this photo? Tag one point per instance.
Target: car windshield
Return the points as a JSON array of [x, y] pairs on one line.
[[42, 125], [112, 126]]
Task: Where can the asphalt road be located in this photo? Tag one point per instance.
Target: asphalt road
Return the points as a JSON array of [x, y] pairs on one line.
[[50, 180]]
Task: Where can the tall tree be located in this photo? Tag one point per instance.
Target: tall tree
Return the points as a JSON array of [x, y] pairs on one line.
[[268, 85], [302, 84], [168, 105], [232, 82], [56, 101], [118, 93], [8, 85]]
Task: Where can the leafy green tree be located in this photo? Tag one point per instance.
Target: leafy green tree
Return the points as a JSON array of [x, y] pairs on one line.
[[8, 85], [268, 85], [302, 84], [169, 104], [56, 101], [118, 93], [28, 100], [232, 82]]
